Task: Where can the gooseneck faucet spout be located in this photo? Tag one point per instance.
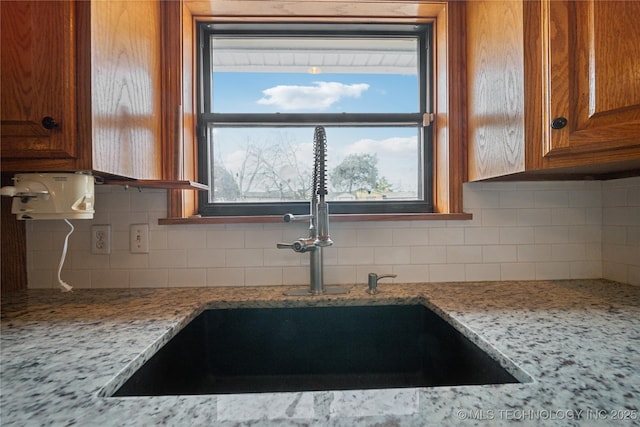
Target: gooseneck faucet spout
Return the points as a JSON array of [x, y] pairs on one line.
[[318, 217]]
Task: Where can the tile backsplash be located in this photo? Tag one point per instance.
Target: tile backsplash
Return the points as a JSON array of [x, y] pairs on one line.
[[519, 231]]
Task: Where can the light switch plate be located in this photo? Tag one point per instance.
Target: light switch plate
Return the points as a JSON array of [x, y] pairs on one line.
[[139, 238]]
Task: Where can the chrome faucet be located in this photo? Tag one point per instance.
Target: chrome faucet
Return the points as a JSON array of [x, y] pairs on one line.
[[318, 217]]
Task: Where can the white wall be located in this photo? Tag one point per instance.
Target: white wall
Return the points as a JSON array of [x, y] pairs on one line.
[[621, 230], [519, 231]]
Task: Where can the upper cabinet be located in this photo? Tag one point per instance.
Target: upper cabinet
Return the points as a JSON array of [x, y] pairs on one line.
[[553, 88], [81, 87], [38, 81]]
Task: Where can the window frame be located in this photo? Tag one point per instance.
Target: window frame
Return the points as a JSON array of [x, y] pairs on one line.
[[421, 121]]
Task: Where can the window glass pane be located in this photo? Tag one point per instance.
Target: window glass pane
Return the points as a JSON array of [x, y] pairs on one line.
[[273, 164], [295, 74]]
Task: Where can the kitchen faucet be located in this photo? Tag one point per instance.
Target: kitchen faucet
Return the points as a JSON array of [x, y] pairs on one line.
[[318, 217]]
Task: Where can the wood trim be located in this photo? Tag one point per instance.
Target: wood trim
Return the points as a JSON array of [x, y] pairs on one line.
[[450, 124], [13, 247], [334, 218]]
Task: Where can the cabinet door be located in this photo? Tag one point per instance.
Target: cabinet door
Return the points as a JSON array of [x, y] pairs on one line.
[[594, 51], [38, 80], [126, 88]]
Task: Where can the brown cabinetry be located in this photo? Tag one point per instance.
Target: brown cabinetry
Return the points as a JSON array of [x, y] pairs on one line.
[[554, 88], [81, 87]]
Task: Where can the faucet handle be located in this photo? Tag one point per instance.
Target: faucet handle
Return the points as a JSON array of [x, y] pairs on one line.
[[373, 282], [300, 245]]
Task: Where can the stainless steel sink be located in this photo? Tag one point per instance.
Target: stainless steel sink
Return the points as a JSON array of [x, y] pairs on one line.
[[314, 348]]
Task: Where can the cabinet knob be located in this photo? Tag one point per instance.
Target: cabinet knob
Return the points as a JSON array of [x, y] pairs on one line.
[[49, 123], [559, 123]]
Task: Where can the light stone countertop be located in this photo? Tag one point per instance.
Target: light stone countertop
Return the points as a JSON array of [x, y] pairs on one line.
[[577, 343]]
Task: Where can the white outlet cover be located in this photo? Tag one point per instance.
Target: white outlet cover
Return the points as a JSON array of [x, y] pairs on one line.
[[101, 239]]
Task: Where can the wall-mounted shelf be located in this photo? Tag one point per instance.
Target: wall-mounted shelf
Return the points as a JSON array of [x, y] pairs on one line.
[[157, 183]]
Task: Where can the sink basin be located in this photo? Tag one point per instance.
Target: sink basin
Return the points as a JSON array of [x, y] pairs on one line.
[[244, 350]]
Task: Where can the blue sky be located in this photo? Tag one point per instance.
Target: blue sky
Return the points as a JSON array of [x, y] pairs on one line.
[[396, 148], [242, 92]]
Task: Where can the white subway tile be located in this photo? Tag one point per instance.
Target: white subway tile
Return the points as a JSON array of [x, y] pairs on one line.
[[568, 216], [464, 254], [585, 233], [77, 279], [446, 236], [40, 241], [480, 198], [148, 201], [296, 276], [120, 241], [374, 237], [124, 260], [482, 272], [516, 199], [176, 258], [225, 238], [551, 234], [245, 258], [116, 201], [204, 258], [614, 197], [586, 270], [183, 239], [553, 271], [282, 257], [121, 221], [446, 273], [158, 239], [225, 277], [499, 253], [568, 252], [149, 278], [410, 236], [110, 278], [516, 235], [633, 275], [621, 215], [263, 238], [534, 253], [518, 271], [392, 255], [41, 279], [482, 236], [429, 255], [187, 277], [339, 274], [85, 261], [551, 199], [499, 217], [585, 198], [411, 273], [263, 276], [615, 234], [615, 271], [633, 195], [355, 256], [534, 217]]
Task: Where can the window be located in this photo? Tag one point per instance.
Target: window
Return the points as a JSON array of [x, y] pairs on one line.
[[264, 88]]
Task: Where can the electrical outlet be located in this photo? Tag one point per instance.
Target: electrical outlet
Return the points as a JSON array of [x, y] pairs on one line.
[[100, 239], [139, 238]]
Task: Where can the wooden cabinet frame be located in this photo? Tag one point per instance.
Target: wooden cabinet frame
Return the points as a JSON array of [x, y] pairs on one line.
[[450, 128]]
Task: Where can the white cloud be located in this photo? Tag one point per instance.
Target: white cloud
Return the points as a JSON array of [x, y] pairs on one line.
[[318, 97], [396, 146]]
